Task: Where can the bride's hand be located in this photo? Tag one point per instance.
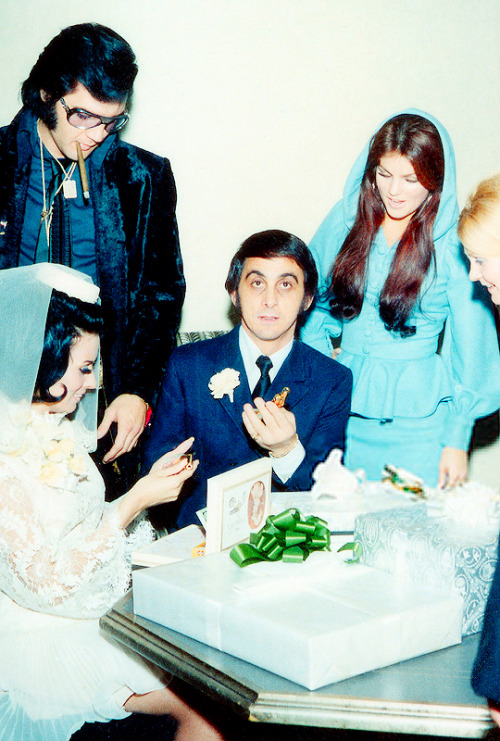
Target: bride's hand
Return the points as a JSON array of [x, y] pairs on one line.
[[162, 484], [164, 481], [168, 459]]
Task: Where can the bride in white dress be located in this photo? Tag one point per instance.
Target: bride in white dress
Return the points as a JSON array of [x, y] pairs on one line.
[[64, 553]]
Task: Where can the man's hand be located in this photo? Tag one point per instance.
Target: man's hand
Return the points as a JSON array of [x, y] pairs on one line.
[[276, 432], [452, 467], [128, 411]]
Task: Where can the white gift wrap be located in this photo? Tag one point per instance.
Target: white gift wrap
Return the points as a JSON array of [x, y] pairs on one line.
[[434, 551], [340, 512], [313, 623]]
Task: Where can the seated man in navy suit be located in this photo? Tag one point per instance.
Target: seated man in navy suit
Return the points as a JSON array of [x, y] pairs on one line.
[[272, 280]]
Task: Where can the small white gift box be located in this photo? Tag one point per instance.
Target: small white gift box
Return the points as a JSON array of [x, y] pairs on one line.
[[314, 623]]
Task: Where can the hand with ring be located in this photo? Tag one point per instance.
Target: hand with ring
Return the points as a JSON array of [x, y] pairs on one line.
[[275, 427]]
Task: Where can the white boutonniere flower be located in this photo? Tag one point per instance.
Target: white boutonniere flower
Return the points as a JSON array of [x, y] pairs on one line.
[[224, 383]]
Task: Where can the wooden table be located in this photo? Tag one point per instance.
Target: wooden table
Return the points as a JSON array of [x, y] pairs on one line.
[[429, 695]]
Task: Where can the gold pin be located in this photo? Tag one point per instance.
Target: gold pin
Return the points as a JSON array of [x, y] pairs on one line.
[[280, 399]]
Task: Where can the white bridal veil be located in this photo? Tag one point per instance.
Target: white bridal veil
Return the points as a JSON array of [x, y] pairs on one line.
[[25, 294]]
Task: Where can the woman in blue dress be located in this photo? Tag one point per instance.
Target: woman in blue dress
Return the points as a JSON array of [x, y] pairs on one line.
[[394, 285], [479, 230]]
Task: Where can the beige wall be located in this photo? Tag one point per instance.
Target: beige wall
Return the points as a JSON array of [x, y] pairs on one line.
[[262, 105]]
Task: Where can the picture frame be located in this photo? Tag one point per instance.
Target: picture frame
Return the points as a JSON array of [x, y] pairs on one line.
[[238, 504]]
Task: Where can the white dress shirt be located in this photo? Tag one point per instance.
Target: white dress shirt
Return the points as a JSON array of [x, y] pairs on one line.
[[285, 466]]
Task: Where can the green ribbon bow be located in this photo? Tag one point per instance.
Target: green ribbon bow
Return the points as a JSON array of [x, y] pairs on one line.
[[288, 536]]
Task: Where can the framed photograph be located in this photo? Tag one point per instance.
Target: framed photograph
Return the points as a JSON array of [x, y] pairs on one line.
[[237, 504]]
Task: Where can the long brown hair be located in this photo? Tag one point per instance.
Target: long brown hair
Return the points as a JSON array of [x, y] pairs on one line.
[[417, 139]]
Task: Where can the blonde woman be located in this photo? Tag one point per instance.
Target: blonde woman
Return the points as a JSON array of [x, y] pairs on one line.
[[479, 231]]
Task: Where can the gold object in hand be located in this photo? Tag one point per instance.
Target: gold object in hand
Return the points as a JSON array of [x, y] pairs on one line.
[[280, 399]]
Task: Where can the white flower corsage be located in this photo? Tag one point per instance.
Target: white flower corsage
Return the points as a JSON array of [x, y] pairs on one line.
[[49, 450], [224, 383], [61, 460]]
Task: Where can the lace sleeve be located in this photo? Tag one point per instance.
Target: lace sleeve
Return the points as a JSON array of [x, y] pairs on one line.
[[80, 574]]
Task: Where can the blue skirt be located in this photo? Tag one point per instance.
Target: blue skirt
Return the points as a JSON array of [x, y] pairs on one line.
[[412, 443]]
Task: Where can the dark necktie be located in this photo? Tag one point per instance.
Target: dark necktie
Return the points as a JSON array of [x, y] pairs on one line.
[[60, 230], [60, 233], [265, 364]]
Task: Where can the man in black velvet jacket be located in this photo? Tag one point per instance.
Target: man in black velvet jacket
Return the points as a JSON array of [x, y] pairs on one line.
[[123, 232]]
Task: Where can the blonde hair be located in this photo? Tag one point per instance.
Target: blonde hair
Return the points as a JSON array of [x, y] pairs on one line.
[[479, 222]]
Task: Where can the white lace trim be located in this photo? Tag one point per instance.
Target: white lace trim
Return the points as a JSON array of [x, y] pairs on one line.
[[62, 550]]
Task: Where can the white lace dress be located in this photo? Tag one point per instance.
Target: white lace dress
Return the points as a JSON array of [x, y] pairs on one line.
[[63, 562]]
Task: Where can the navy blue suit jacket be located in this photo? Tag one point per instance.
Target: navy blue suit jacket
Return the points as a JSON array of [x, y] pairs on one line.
[[486, 671], [320, 396]]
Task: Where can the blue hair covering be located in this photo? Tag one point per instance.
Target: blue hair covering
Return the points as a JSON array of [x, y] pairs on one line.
[[447, 215]]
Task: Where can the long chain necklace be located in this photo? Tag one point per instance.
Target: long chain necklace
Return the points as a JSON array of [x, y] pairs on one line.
[[47, 213]]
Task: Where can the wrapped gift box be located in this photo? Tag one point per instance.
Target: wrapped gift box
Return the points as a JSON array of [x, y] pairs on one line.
[[314, 623], [432, 550], [340, 512]]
